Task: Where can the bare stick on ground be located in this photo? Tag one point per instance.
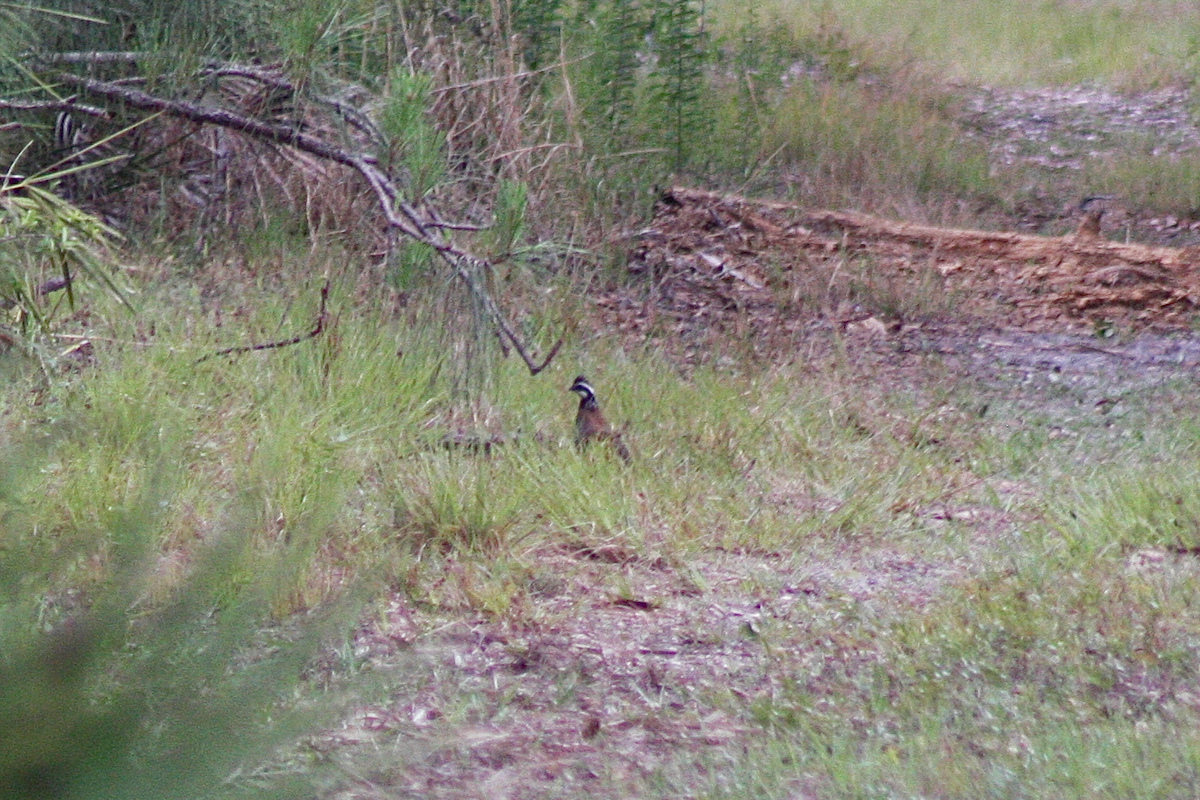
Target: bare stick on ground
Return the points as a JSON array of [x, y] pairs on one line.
[[316, 331]]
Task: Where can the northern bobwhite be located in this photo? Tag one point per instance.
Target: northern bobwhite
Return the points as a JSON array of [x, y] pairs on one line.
[[590, 424]]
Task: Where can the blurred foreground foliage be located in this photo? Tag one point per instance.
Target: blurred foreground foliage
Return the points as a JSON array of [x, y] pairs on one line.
[[121, 677]]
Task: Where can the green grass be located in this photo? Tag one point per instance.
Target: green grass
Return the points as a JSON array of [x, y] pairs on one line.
[[1148, 181], [1049, 676], [847, 144], [1061, 669], [346, 431]]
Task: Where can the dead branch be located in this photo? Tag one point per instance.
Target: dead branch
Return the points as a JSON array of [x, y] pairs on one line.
[[281, 134], [317, 328], [418, 220], [54, 285]]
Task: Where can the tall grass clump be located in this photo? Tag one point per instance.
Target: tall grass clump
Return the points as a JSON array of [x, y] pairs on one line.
[[468, 505], [1125, 510], [848, 144], [1155, 182]]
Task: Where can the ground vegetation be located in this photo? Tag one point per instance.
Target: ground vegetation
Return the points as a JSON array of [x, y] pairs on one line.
[[892, 308]]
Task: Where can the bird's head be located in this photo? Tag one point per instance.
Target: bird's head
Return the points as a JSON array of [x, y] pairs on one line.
[[583, 388]]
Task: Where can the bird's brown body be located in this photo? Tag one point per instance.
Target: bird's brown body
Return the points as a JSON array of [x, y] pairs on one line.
[[590, 423]]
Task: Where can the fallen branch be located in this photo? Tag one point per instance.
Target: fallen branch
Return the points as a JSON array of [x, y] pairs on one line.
[[144, 101], [417, 220], [297, 339], [998, 244], [54, 285], [1006, 244]]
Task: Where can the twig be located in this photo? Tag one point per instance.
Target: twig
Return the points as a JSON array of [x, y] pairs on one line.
[[549, 357], [297, 339], [54, 285]]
